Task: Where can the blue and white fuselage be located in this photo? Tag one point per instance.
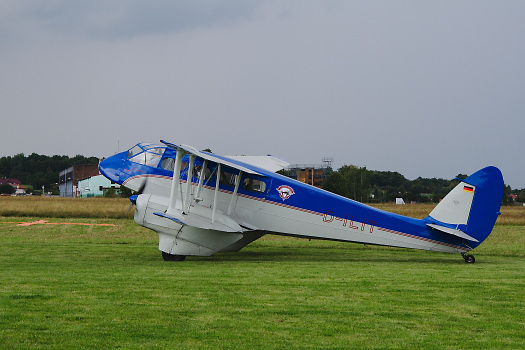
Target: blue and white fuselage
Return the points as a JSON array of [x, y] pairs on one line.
[[201, 203]]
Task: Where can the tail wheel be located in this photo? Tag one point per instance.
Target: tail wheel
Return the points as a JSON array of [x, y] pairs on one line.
[[172, 257], [469, 259]]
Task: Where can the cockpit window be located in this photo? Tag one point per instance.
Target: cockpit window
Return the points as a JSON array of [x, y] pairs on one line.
[[148, 146], [139, 158], [151, 157], [157, 150], [135, 150]]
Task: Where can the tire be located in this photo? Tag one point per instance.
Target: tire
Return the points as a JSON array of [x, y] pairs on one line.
[[469, 259], [172, 257]]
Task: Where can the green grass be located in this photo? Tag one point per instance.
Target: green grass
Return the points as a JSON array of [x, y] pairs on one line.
[[91, 287]]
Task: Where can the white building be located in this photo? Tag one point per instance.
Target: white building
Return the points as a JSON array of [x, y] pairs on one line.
[[95, 186]]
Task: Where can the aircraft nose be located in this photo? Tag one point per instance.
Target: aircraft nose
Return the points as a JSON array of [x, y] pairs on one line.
[[111, 167]]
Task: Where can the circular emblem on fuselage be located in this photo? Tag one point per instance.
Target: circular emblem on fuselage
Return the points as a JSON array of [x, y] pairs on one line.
[[285, 191]]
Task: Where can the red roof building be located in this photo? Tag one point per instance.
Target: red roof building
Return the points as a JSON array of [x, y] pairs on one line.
[[15, 183]]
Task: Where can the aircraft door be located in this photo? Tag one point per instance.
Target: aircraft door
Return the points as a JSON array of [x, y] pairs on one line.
[[251, 199]]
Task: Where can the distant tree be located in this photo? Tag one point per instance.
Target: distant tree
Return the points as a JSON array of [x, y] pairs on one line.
[[506, 191], [335, 183], [521, 197], [125, 192], [7, 189], [110, 193], [416, 188], [350, 181], [386, 178], [285, 172]]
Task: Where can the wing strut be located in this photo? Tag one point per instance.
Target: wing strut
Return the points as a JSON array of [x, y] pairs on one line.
[[189, 186], [234, 195], [201, 180], [176, 181], [216, 192]]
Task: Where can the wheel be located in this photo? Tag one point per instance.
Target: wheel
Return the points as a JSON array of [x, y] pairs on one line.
[[469, 259], [172, 257]]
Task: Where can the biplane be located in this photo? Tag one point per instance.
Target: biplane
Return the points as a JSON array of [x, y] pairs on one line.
[[200, 203]]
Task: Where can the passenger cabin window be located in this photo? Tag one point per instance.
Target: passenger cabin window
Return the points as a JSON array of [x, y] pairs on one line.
[[227, 178], [197, 169], [168, 164], [254, 185]]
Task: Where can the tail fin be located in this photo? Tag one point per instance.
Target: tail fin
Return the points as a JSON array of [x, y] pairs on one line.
[[472, 206]]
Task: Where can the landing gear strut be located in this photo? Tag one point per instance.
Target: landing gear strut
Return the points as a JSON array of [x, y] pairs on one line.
[[469, 259], [172, 257]]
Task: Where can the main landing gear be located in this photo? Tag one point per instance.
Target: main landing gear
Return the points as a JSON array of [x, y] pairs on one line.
[[469, 259], [172, 257]]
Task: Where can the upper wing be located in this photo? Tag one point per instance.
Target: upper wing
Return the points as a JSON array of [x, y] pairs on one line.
[[236, 164], [269, 163]]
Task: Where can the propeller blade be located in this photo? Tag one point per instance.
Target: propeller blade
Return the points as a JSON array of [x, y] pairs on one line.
[[129, 208], [142, 187], [133, 199]]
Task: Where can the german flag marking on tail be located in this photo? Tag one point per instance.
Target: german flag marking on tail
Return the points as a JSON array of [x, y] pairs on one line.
[[468, 189]]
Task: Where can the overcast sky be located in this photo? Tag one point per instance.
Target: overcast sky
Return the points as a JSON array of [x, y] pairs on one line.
[[424, 88]]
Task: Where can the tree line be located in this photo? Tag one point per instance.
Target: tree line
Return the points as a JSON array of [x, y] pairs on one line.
[[369, 186], [35, 171]]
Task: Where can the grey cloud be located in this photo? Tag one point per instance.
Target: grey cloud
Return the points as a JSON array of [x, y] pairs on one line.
[[124, 19]]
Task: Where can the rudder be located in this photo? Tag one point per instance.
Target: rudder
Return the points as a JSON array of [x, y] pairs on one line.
[[473, 205]]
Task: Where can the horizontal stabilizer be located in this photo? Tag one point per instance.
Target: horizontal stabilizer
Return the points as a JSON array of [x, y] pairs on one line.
[[452, 231], [203, 222]]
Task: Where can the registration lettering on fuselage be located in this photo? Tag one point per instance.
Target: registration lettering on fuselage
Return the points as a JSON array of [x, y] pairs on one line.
[[329, 216]]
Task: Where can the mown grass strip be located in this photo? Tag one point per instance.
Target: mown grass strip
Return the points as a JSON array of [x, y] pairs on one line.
[[77, 286], [74, 287]]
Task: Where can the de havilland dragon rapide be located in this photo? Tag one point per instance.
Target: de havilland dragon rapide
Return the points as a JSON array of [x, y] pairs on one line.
[[200, 203]]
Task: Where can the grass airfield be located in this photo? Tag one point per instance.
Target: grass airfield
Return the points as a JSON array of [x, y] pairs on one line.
[[79, 286]]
